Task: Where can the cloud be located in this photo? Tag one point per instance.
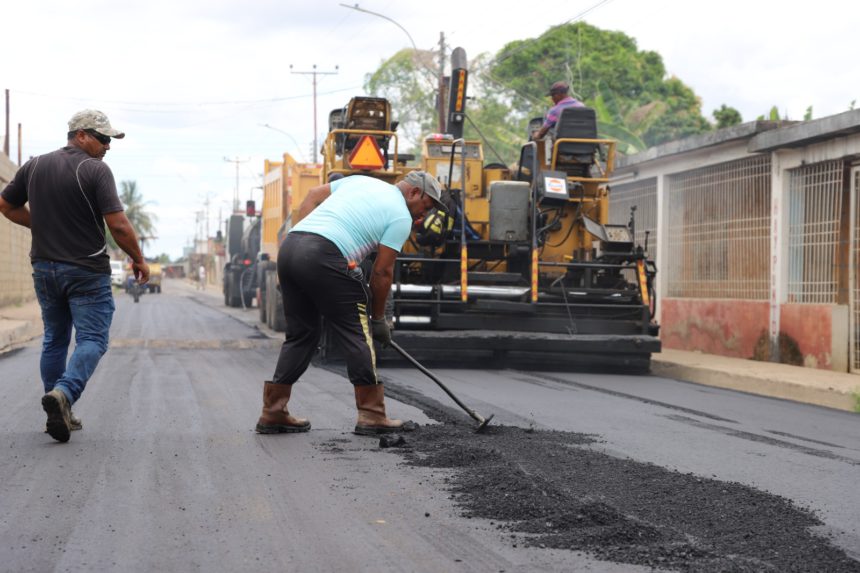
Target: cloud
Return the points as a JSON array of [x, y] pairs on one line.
[[192, 81]]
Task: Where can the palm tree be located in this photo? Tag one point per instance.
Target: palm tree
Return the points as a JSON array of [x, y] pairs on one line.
[[141, 219]]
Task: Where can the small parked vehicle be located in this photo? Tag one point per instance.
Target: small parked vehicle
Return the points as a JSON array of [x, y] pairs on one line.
[[116, 273]]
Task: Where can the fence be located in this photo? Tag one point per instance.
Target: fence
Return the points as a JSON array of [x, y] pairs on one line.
[[815, 198], [855, 258], [16, 283], [718, 230]]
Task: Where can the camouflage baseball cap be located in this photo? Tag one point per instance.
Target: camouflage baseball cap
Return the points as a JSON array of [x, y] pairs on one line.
[[95, 120], [427, 183], [558, 88]]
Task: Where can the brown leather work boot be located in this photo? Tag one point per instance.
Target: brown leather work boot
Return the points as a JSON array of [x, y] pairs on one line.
[[275, 418], [370, 401]]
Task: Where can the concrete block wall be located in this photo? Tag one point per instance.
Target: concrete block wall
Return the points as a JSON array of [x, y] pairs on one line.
[[16, 282]]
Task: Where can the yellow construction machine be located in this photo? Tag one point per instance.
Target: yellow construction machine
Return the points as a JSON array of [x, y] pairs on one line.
[[362, 140], [524, 270]]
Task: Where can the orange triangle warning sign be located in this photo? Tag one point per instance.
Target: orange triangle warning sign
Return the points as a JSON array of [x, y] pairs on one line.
[[366, 154]]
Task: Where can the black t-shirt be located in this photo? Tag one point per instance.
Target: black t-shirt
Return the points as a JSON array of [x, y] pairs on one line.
[[69, 193]]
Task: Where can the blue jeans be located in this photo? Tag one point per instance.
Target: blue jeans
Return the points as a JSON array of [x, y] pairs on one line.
[[72, 296]]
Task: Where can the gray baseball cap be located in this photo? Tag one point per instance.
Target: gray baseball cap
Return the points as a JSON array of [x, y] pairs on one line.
[[558, 88], [95, 120], [428, 184]]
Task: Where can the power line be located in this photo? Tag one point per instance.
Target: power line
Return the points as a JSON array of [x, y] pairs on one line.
[[314, 72], [187, 103]]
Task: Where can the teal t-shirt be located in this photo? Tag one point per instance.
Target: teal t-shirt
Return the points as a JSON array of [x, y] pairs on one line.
[[361, 213]]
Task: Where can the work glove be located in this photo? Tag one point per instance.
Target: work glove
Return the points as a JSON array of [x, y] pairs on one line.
[[380, 331]]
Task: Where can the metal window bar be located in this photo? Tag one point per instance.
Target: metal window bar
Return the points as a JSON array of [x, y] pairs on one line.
[[855, 263], [643, 196], [814, 216], [718, 231]]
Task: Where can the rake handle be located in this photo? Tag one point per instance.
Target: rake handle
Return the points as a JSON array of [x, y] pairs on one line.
[[475, 416]]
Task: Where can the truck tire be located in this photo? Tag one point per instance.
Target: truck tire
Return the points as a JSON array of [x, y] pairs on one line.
[[265, 269], [261, 303], [277, 322], [234, 296], [246, 284], [270, 296]]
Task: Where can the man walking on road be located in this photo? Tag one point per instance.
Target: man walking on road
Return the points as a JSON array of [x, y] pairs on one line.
[[340, 223], [72, 194]]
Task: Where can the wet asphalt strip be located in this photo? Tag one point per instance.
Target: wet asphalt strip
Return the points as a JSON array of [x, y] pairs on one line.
[[550, 489]]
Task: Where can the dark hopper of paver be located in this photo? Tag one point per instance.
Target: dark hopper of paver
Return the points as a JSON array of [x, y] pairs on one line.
[[552, 489]]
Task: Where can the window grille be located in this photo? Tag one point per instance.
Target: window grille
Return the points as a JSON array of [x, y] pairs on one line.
[[814, 219], [855, 257], [718, 231]]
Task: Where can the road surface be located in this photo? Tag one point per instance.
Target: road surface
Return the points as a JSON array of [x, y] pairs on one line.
[[168, 475]]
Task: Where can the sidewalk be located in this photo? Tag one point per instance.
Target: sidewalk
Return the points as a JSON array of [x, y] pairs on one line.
[[21, 323]]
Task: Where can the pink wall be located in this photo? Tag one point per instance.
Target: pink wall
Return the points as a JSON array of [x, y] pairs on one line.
[[724, 327], [735, 327], [811, 326]]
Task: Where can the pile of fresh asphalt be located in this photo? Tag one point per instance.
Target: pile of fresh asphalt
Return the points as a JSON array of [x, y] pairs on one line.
[[550, 489]]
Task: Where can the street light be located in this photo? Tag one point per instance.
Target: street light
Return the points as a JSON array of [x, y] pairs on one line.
[[293, 139], [359, 9], [440, 77]]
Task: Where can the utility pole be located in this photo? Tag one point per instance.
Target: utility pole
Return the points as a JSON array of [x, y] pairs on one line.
[[206, 204], [237, 161], [314, 72], [442, 97], [6, 138]]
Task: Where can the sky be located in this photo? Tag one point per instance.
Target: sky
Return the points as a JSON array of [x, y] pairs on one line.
[[195, 83]]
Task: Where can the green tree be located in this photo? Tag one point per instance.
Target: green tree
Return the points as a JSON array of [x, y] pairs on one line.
[[727, 116], [404, 80], [136, 210], [636, 103], [631, 85]]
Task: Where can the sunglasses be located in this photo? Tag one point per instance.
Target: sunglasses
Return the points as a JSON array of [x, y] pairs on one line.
[[103, 139]]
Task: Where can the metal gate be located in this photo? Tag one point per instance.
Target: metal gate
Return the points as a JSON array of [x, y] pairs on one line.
[[854, 272]]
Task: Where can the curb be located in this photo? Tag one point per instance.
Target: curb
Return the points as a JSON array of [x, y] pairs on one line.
[[16, 332], [771, 385]]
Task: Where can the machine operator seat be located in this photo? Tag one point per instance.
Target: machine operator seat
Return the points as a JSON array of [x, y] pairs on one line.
[[367, 114], [574, 158]]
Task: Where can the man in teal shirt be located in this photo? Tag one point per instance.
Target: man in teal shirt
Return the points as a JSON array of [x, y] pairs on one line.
[[340, 223]]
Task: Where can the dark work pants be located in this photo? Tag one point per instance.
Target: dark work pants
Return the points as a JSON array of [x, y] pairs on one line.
[[315, 283]]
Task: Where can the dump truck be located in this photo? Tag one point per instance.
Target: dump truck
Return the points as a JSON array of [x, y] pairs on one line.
[[285, 185], [524, 269], [155, 276]]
